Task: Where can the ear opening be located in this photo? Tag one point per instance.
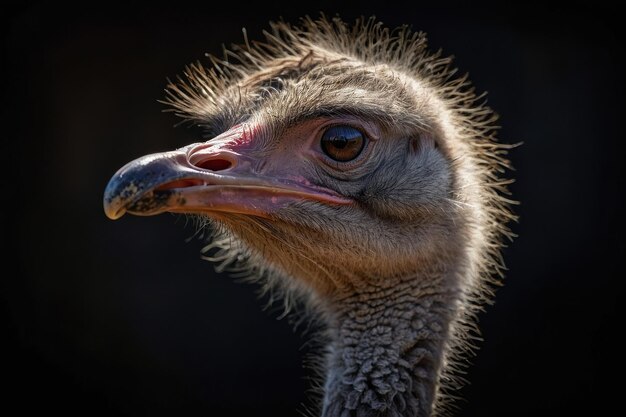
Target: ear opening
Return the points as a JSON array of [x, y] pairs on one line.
[[414, 145]]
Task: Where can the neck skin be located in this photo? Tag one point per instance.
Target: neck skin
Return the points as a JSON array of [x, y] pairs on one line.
[[386, 349]]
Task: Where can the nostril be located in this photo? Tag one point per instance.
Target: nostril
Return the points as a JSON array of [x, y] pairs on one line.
[[214, 164]]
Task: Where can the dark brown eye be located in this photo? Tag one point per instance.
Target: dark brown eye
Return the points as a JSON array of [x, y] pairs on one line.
[[342, 143]]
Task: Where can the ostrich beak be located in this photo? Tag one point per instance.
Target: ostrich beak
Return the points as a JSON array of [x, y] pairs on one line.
[[217, 176]]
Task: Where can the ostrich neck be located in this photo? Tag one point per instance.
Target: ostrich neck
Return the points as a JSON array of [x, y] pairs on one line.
[[386, 349]]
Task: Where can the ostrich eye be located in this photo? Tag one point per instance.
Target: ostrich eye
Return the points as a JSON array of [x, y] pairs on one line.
[[342, 143]]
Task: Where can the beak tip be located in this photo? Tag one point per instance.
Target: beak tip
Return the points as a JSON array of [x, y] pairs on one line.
[[113, 204], [113, 209], [114, 214]]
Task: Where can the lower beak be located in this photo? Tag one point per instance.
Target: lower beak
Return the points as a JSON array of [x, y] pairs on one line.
[[170, 182]]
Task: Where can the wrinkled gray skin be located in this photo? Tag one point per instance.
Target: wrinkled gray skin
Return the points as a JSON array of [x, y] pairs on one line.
[[392, 250]]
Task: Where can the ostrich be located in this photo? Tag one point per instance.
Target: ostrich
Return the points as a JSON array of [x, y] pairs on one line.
[[350, 168]]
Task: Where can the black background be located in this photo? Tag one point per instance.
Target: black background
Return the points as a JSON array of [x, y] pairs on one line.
[[124, 318]]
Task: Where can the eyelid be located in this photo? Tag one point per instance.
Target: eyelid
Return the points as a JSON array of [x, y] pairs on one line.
[[368, 132]]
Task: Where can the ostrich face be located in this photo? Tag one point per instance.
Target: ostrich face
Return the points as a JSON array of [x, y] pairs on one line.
[[338, 165]]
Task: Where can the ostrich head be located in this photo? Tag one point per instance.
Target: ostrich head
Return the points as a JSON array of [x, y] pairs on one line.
[[348, 166]]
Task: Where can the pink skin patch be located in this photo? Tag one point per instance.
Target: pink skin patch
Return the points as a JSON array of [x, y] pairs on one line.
[[300, 180], [250, 132], [238, 138], [229, 150]]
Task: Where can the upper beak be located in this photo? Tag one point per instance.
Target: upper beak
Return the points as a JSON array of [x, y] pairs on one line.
[[206, 178]]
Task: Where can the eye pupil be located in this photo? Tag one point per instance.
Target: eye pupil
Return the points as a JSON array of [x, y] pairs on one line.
[[342, 143]]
